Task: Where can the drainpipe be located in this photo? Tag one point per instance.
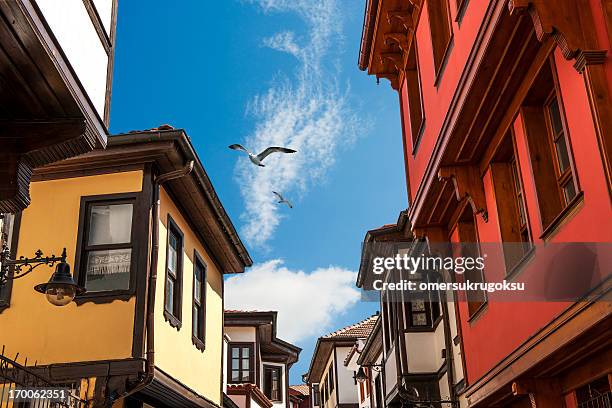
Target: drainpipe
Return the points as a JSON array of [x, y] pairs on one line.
[[152, 283]]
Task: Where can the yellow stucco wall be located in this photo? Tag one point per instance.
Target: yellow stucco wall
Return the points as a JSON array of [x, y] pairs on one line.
[[174, 352], [50, 334]]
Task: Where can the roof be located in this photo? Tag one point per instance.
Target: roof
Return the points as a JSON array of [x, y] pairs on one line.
[[358, 330], [344, 337], [303, 389], [159, 151], [266, 326], [398, 232]]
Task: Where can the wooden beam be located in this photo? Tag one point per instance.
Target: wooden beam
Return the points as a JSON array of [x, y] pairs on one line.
[[38, 134]]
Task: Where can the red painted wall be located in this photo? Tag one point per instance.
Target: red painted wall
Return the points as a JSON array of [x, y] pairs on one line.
[[504, 326]]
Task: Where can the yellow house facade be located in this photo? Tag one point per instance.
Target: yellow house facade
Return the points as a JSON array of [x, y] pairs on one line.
[[148, 238]]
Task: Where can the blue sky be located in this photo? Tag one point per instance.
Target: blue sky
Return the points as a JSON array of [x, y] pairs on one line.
[[265, 72]]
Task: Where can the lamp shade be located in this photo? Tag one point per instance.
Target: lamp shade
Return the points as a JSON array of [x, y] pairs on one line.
[[61, 288], [361, 376]]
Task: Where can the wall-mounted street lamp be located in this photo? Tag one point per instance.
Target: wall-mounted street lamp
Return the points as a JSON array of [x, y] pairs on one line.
[[361, 376], [61, 288]]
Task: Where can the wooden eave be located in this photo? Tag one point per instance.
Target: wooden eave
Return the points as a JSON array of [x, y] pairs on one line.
[[387, 38], [398, 232], [166, 150], [320, 356], [272, 348], [46, 115], [373, 347]]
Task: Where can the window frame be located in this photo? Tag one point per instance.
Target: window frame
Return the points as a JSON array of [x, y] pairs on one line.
[[12, 232], [199, 339], [568, 175], [279, 370], [251, 369], [441, 46], [82, 248], [174, 317]]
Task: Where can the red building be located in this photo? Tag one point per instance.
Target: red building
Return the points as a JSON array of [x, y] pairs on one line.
[[506, 115]]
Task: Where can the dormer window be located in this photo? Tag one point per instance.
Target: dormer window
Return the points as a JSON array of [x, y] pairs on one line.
[[242, 369]]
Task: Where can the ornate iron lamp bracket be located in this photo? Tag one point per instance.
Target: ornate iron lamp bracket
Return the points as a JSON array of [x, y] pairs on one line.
[[23, 266]]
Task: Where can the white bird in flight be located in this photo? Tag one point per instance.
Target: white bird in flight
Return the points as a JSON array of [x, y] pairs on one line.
[[282, 200], [258, 158]]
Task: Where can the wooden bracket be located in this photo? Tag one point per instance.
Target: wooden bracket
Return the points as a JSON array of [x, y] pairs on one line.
[[392, 77], [468, 184], [401, 39], [589, 57], [404, 17], [396, 59]]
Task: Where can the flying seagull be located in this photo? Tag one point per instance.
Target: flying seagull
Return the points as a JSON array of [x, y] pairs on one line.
[[257, 159], [282, 200]]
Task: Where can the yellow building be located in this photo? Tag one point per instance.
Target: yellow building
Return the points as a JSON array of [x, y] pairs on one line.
[[150, 241]]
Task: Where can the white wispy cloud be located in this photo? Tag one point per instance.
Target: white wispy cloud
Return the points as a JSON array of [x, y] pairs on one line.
[[306, 302], [306, 110]]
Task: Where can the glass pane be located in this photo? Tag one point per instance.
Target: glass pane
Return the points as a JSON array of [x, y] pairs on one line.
[[419, 319], [235, 364], [569, 191], [108, 269], [418, 305], [197, 287], [245, 376], [235, 375], [172, 253], [196, 321], [245, 352], [562, 155], [235, 352], [110, 224], [245, 363], [169, 294], [555, 117]]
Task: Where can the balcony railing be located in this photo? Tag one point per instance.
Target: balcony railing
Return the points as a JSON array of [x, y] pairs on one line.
[[21, 386], [598, 401]]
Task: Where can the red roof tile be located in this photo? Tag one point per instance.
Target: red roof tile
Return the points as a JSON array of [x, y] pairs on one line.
[[301, 388], [359, 330]]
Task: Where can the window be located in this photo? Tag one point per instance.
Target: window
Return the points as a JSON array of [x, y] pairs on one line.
[[272, 383], [510, 202], [9, 235], [565, 179], [420, 308], [199, 302], [441, 32], [466, 229], [241, 363], [412, 98], [332, 383], [174, 274], [106, 247], [549, 147]]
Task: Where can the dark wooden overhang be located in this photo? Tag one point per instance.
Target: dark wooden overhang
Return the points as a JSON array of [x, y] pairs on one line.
[[272, 348], [320, 356], [400, 233], [194, 195], [373, 347], [45, 114], [387, 36], [166, 391]]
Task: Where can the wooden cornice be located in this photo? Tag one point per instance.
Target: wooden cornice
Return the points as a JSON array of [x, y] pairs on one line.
[[468, 185], [575, 36], [401, 39]]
